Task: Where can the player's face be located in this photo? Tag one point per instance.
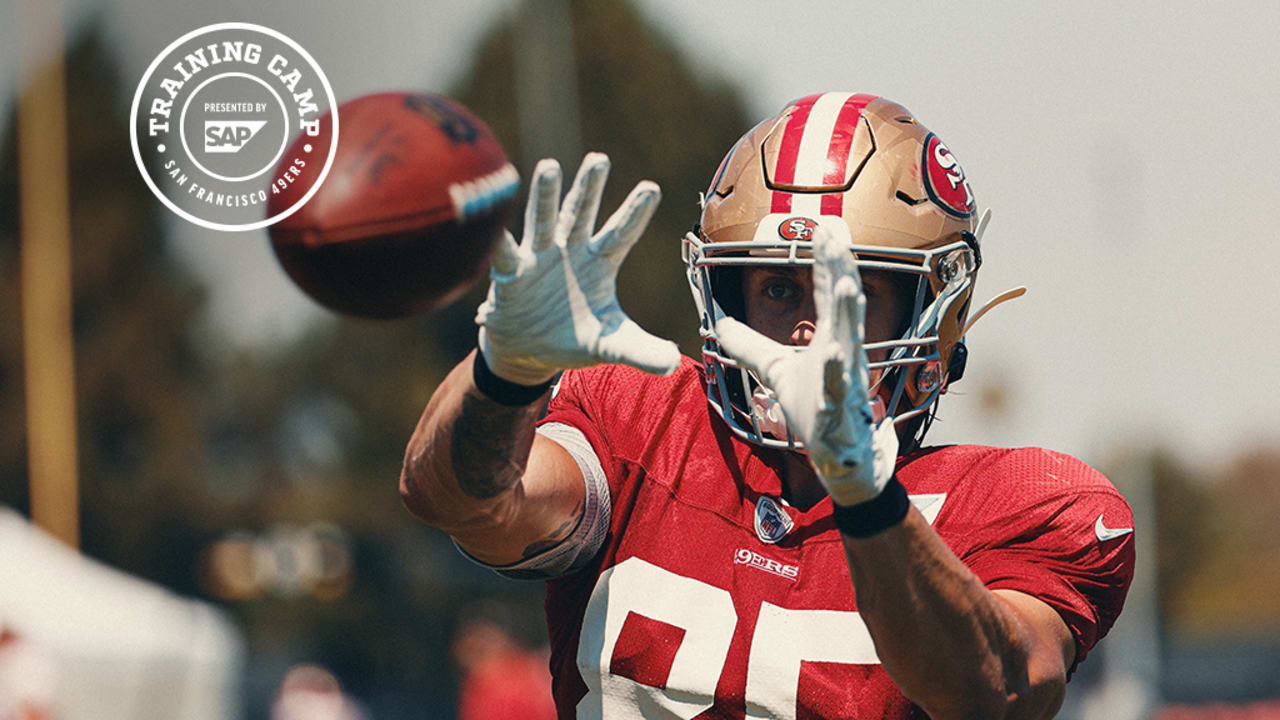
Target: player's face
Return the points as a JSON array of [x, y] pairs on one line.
[[779, 305]]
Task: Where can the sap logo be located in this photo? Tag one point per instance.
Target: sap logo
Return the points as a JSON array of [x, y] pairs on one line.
[[229, 136]]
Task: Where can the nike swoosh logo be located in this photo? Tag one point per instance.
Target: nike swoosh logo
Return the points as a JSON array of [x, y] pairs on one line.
[[1105, 533]]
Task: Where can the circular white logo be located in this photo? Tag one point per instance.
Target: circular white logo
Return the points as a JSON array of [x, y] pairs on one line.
[[212, 121]]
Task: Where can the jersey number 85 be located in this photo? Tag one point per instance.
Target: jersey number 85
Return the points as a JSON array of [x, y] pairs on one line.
[[782, 639]]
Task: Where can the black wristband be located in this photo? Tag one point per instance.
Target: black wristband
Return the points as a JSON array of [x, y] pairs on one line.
[[505, 392], [874, 516]]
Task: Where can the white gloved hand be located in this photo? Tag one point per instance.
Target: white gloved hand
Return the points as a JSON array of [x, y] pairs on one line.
[[823, 388], [553, 301]]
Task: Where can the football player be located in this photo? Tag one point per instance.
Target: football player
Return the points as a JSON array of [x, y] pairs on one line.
[[763, 534]]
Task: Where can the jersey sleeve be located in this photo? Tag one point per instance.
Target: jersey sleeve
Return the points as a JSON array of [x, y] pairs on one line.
[[601, 416], [576, 550], [1056, 529], [570, 421]]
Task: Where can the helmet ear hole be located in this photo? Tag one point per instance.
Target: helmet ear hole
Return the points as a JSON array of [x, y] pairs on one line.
[[726, 287], [955, 366]]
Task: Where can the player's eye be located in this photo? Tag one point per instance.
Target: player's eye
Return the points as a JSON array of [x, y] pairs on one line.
[[779, 289], [876, 285]]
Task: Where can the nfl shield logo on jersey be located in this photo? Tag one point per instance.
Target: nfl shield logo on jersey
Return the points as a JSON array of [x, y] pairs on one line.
[[772, 522]]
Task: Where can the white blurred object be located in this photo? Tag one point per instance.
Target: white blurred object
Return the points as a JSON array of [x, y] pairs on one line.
[[116, 646], [310, 692], [1120, 696], [28, 678]]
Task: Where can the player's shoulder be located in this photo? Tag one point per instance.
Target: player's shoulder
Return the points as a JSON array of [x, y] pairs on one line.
[[623, 380], [660, 422], [618, 397], [1027, 469], [1029, 489], [615, 371]]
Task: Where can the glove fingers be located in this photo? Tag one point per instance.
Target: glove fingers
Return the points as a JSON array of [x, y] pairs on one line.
[[832, 260], [485, 309], [755, 351], [823, 293], [506, 256], [849, 306], [631, 345], [835, 383], [837, 289], [833, 245], [628, 222], [544, 196], [578, 214]]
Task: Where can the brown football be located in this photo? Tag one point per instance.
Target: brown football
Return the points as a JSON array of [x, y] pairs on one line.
[[405, 221]]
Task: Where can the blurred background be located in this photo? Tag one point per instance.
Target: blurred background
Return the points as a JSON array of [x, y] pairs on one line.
[[233, 450]]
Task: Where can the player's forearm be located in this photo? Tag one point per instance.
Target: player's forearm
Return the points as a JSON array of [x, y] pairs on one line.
[[950, 644], [466, 455]]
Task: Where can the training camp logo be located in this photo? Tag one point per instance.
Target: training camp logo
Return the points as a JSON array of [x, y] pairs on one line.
[[214, 117]]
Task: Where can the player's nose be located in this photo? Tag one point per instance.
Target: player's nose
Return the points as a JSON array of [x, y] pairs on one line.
[[802, 333], [806, 317]]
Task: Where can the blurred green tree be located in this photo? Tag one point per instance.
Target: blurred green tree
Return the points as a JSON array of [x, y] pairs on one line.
[[1220, 549], [1181, 499], [140, 375]]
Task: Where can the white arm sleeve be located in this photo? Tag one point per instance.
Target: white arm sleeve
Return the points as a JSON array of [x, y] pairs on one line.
[[572, 553]]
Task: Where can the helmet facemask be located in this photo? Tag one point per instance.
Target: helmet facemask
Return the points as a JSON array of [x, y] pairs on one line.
[[907, 371]]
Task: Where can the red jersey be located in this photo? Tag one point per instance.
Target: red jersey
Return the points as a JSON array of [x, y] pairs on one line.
[[711, 597]]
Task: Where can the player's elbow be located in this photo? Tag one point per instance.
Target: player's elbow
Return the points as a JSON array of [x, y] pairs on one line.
[[977, 702], [421, 490], [1040, 695], [1012, 688], [1039, 702], [411, 494], [981, 695], [1022, 692]]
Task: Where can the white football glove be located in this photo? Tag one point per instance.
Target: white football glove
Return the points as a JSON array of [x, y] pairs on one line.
[[823, 388], [553, 301]]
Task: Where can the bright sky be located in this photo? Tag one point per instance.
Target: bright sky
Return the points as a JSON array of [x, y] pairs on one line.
[[1124, 148]]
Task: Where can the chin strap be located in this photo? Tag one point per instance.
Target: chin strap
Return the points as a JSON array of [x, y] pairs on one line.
[[982, 226], [1005, 296]]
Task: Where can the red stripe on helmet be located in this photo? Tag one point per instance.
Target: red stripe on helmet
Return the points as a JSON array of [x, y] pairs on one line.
[[789, 152], [838, 152]]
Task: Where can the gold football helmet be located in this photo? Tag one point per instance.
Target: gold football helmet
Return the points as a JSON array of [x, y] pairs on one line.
[[867, 162]]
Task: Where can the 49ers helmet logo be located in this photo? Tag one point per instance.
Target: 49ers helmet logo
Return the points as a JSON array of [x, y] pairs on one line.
[[944, 179], [797, 228]]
